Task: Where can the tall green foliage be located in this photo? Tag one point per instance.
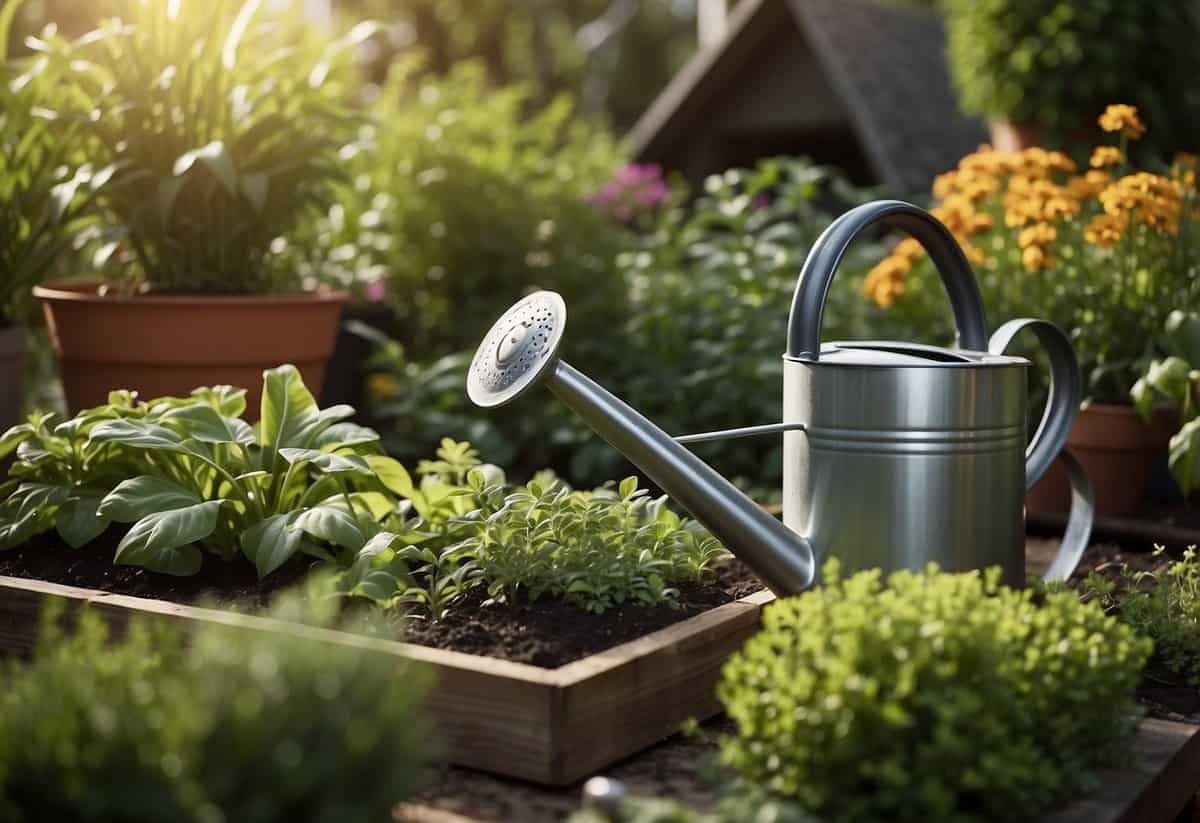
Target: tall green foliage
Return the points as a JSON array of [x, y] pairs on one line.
[[1059, 63]]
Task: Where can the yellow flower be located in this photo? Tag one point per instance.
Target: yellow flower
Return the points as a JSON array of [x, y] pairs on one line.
[[1119, 117], [1105, 230], [945, 184], [909, 249], [1039, 234], [1105, 156], [1035, 258], [885, 282], [1156, 201]]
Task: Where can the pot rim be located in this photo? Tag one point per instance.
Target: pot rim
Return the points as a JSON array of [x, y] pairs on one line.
[[84, 291]]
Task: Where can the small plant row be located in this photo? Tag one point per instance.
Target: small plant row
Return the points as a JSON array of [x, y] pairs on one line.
[[194, 479], [919, 697]]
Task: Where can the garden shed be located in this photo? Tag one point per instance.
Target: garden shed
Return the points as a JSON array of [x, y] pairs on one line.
[[852, 83]]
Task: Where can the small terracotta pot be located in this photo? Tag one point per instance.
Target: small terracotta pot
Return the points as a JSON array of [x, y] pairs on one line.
[[169, 345], [1116, 449], [12, 368]]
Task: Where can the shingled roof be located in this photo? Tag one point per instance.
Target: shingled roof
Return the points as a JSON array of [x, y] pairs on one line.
[[886, 65]]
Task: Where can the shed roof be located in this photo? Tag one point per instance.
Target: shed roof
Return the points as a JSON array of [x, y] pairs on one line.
[[885, 64]]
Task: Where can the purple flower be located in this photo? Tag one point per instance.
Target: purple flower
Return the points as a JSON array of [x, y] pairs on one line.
[[636, 188], [377, 290]]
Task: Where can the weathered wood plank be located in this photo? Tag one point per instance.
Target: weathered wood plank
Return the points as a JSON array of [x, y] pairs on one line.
[[1162, 775]]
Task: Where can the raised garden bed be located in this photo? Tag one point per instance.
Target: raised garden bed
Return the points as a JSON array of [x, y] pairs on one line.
[[547, 725]]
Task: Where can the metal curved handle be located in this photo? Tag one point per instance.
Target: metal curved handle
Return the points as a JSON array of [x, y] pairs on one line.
[[808, 302], [1063, 402], [1051, 437]]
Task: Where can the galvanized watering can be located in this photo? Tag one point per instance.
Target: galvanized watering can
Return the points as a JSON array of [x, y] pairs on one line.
[[895, 454]]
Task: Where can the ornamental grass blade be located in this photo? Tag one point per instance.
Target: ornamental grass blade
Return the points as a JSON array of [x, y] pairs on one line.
[[216, 158], [164, 541]]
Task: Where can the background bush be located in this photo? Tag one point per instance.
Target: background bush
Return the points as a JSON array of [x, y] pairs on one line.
[[238, 726], [698, 346], [931, 697], [1059, 63]]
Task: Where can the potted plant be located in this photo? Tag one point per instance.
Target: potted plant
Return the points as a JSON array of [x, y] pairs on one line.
[[43, 194], [1039, 69], [223, 129], [1106, 253]]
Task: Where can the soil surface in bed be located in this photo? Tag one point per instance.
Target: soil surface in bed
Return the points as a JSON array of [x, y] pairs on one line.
[[543, 633]]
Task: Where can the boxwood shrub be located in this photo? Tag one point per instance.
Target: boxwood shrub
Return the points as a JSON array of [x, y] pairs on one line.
[[930, 697], [234, 725]]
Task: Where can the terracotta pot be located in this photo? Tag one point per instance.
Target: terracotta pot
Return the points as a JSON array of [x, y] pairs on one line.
[[168, 345], [1014, 135], [12, 368], [1117, 450]]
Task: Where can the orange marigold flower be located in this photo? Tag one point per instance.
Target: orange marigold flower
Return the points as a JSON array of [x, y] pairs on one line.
[[909, 249], [945, 184], [1035, 258], [1105, 230], [1119, 117], [1039, 234], [1105, 156]]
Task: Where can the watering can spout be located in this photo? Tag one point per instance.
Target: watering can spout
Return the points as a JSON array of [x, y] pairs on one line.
[[521, 350]]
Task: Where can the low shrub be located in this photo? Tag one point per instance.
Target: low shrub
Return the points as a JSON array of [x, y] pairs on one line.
[[235, 725], [1163, 605], [468, 528], [929, 697]]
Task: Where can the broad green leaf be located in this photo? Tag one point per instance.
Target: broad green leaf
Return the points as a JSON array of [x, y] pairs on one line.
[[627, 488], [227, 400], [137, 497], [326, 461], [163, 541], [1185, 456], [379, 505], [1170, 377], [78, 521], [1183, 335], [392, 474], [138, 434], [369, 575], [1143, 398], [270, 543], [331, 523], [344, 435], [206, 424], [15, 437], [324, 419], [287, 409]]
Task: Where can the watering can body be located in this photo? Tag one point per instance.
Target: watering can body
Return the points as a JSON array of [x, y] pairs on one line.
[[905, 460], [896, 455]]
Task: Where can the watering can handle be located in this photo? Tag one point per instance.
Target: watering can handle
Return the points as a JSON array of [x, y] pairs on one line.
[[808, 303], [1051, 437]]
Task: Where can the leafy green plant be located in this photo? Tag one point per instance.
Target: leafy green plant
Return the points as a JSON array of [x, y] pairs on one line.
[[697, 348], [461, 199], [468, 528], [929, 697], [1175, 379], [235, 724], [1163, 605], [223, 126], [1058, 63], [45, 189], [191, 475]]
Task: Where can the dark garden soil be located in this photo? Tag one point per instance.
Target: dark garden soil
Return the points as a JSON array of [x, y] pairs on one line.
[[543, 633]]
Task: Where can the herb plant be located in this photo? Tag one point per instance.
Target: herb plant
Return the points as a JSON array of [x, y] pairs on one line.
[[929, 697], [223, 125], [468, 528], [1176, 379], [233, 724], [191, 475], [45, 188], [1105, 253], [1163, 604]]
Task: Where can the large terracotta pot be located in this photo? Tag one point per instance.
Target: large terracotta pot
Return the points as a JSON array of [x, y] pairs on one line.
[[168, 345], [1117, 450], [12, 367]]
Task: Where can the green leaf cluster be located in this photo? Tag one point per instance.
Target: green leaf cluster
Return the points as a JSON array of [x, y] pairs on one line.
[[1060, 63], [460, 198], [468, 528], [697, 346], [45, 188], [1176, 379], [232, 724], [930, 697], [191, 476], [223, 123], [1163, 605]]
